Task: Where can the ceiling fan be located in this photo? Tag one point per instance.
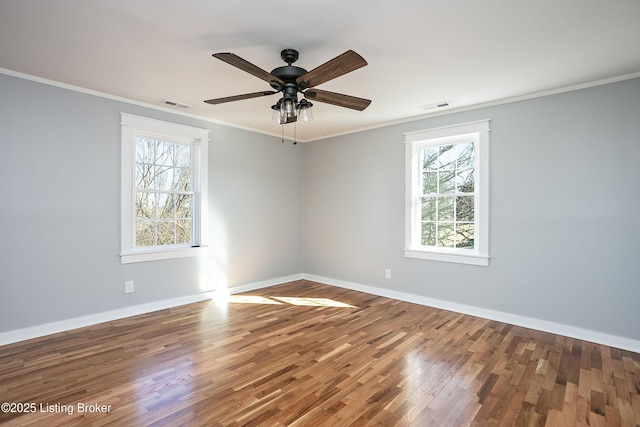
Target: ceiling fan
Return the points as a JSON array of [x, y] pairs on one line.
[[290, 80]]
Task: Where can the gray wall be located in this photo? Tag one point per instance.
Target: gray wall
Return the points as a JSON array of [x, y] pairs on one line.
[[60, 209], [564, 211]]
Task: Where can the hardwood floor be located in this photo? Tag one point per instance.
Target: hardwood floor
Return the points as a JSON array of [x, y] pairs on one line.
[[306, 354]]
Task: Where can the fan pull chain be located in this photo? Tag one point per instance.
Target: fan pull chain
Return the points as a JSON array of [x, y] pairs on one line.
[[295, 133]]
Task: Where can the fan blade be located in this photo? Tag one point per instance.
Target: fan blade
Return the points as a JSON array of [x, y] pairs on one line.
[[338, 99], [240, 97], [244, 65], [343, 64]]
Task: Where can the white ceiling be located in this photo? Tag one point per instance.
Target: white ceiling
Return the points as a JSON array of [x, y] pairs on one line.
[[420, 52]]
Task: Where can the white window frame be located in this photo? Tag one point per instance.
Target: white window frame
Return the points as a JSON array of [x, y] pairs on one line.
[[478, 132], [131, 126]]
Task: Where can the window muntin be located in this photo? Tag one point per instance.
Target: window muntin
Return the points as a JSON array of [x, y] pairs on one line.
[[447, 194], [163, 195], [448, 197], [164, 187]]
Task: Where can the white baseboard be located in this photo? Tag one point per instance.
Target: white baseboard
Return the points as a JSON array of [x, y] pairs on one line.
[[513, 319], [121, 313], [92, 319]]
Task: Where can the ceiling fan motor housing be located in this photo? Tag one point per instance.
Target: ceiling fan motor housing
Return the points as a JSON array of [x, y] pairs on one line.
[[288, 73]]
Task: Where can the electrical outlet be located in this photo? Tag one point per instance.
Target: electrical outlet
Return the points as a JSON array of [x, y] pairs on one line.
[[128, 286], [387, 273]]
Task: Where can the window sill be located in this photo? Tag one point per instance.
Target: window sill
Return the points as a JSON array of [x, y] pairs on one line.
[[132, 257], [471, 259]]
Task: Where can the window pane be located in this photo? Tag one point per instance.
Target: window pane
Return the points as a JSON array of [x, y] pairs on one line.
[[429, 182], [445, 209], [466, 156], [163, 179], [447, 157], [465, 235], [144, 176], [182, 179], [445, 235], [145, 205], [166, 232], [183, 231], [465, 208], [428, 237], [145, 233], [164, 153], [430, 157], [144, 150], [447, 181], [182, 156], [429, 209], [166, 206], [184, 203], [465, 181]]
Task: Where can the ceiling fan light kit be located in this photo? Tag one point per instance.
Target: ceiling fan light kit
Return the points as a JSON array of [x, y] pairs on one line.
[[287, 111], [291, 80], [304, 110]]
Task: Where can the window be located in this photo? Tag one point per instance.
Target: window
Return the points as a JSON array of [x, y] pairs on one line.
[[447, 186], [164, 182]]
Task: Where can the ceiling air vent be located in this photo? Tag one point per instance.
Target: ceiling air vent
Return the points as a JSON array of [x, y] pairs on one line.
[[437, 106], [177, 104]]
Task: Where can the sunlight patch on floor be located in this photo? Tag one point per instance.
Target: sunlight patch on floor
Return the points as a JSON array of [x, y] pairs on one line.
[[299, 301], [315, 302], [251, 299]]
